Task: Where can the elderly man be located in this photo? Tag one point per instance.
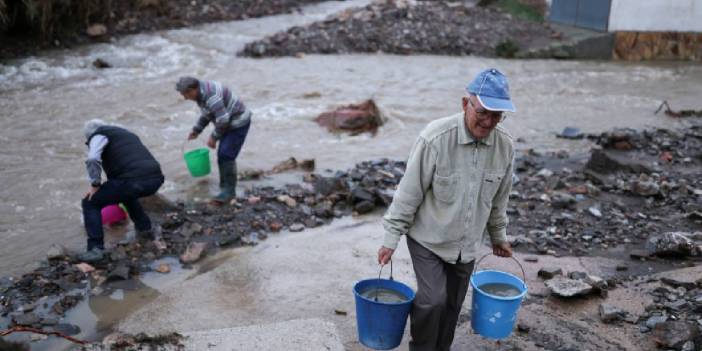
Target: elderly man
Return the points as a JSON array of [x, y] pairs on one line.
[[132, 172], [456, 186], [231, 120]]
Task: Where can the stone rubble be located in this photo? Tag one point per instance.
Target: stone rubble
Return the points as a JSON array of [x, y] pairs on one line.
[[402, 27]]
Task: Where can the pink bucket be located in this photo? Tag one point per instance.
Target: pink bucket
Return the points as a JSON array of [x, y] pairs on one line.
[[113, 214]]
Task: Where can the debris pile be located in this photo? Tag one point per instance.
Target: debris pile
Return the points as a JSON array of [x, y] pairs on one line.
[[402, 27]]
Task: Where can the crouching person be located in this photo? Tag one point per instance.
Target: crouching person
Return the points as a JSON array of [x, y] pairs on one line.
[[132, 172]]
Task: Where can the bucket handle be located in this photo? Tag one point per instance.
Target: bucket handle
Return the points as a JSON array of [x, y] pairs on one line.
[[379, 273], [475, 267], [381, 270]]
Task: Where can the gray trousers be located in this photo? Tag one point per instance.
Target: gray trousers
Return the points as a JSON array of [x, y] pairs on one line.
[[441, 290]]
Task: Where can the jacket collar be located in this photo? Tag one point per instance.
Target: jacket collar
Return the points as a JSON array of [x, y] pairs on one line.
[[464, 136]]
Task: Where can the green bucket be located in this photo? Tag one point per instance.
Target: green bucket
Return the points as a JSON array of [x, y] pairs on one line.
[[198, 162]]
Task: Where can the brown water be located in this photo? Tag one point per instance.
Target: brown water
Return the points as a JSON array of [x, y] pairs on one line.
[[383, 295], [500, 289], [45, 100]]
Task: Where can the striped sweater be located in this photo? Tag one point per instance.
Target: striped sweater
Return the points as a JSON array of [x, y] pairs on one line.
[[219, 106]]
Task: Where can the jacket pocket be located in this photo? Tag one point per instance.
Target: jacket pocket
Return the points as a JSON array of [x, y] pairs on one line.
[[491, 182], [445, 188]]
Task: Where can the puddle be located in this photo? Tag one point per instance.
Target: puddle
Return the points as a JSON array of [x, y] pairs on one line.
[[97, 315]]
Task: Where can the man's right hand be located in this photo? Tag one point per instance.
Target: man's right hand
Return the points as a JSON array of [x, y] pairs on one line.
[[384, 255], [193, 135]]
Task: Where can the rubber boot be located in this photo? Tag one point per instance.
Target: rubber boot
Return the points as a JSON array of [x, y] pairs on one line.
[[227, 183]]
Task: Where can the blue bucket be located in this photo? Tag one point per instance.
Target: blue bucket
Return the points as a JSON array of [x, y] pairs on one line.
[[381, 325], [494, 316]]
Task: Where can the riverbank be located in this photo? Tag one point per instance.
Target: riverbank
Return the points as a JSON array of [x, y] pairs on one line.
[[28, 27]]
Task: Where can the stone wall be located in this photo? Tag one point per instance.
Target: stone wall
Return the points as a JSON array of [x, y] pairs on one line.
[[640, 46]]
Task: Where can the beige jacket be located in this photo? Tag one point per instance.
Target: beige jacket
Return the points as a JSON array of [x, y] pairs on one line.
[[455, 189]]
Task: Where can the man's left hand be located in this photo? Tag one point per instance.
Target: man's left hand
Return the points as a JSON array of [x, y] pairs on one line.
[[212, 143], [91, 192], [502, 250]]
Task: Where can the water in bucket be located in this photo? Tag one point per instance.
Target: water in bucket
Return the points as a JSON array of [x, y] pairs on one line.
[[500, 289], [383, 295], [381, 323], [496, 299]]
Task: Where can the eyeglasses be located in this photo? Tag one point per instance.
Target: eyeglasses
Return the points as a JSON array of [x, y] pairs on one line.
[[483, 114]]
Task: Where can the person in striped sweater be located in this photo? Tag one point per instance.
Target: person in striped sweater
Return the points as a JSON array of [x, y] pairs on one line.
[[231, 120]]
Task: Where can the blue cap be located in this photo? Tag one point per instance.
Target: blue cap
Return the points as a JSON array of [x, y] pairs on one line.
[[492, 90]]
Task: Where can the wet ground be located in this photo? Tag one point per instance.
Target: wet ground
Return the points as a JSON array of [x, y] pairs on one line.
[[310, 275]]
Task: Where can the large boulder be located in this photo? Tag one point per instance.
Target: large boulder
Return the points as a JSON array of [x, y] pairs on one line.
[[610, 161], [356, 119], [565, 287], [674, 334], [677, 244]]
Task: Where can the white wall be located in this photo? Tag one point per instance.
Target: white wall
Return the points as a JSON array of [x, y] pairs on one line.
[[656, 15]]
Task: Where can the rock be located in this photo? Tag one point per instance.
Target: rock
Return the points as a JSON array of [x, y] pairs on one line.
[[28, 307], [645, 188], [38, 337], [565, 287], [121, 272], [254, 200], [608, 161], [190, 229], [363, 117], [67, 329], [307, 165], [287, 200], [577, 275], [163, 268], [651, 322], [160, 245], [96, 30], [297, 227], [27, 319], [639, 254], [364, 207], [324, 210], [56, 251], [85, 268], [118, 254], [101, 64], [609, 313], [549, 272], [545, 173], [523, 327], [679, 283], [531, 259], [275, 226], [562, 200], [286, 165], [571, 133], [598, 284], [359, 194], [621, 268], [49, 321], [672, 244], [193, 253], [595, 212], [674, 334], [688, 346]]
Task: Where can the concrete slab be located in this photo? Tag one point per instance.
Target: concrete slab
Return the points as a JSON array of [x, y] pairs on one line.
[[301, 334]]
